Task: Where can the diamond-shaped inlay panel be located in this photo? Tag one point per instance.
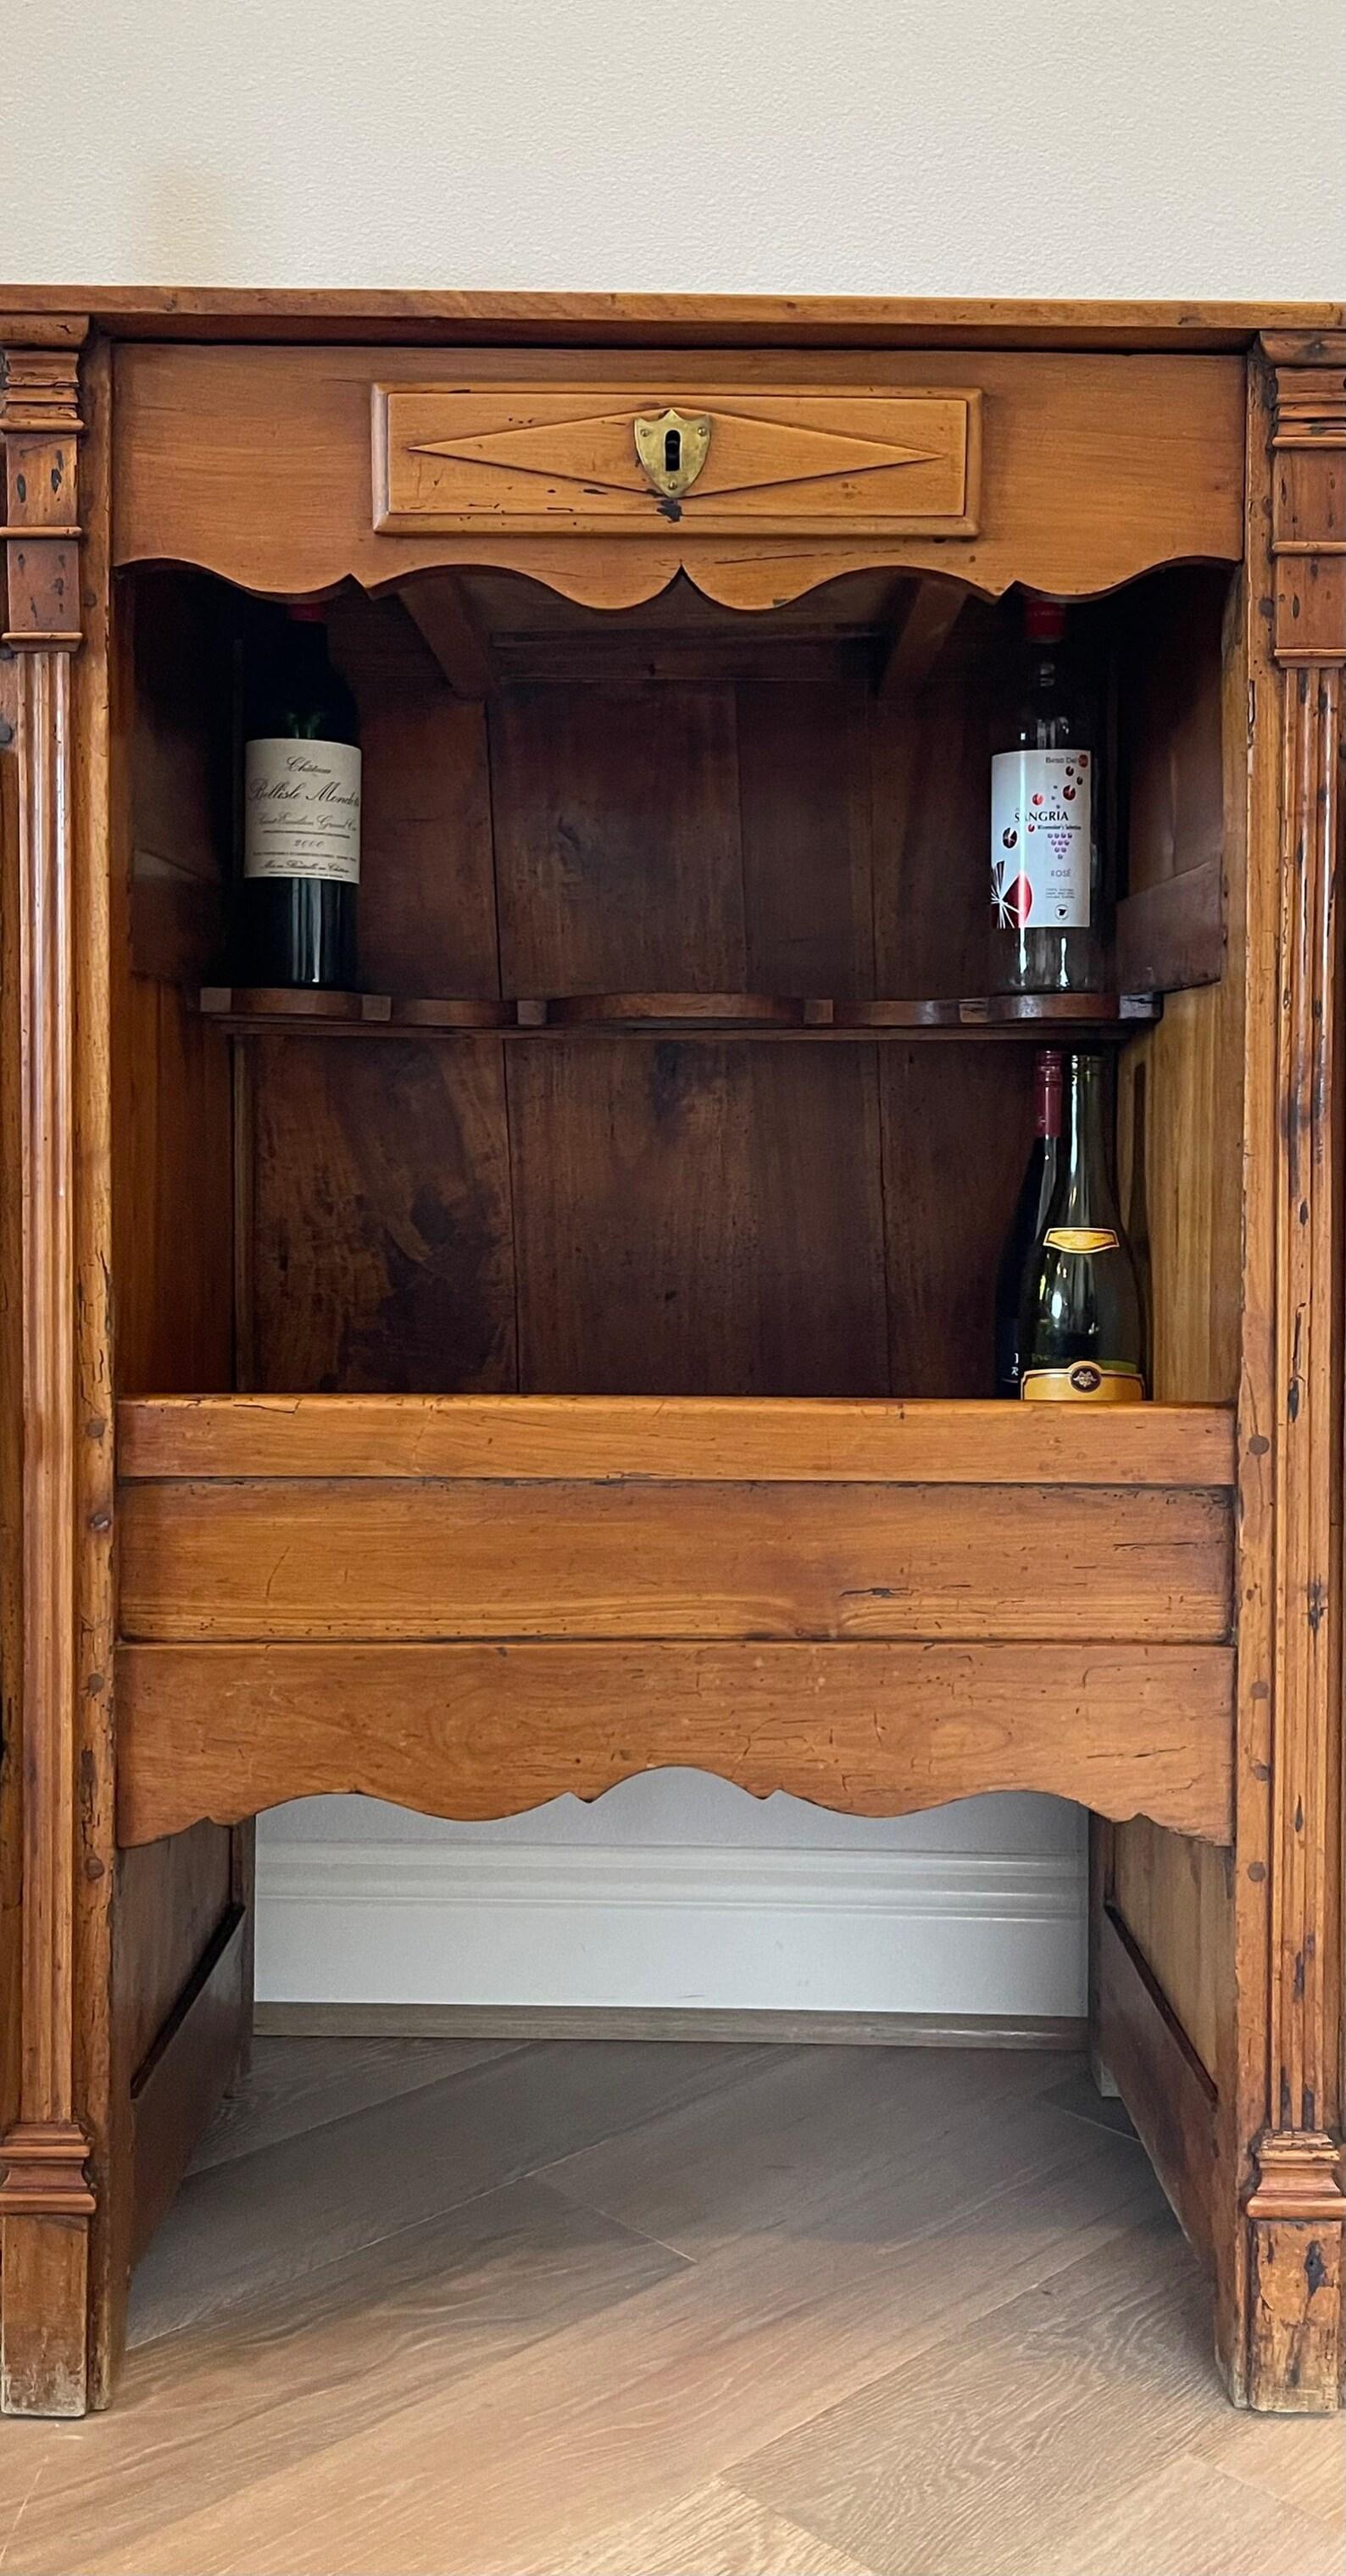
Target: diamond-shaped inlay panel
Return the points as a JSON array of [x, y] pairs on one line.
[[547, 459]]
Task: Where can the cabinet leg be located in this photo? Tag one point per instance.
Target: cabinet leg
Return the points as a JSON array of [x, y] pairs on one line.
[[1295, 2345], [45, 2209], [1296, 2216]]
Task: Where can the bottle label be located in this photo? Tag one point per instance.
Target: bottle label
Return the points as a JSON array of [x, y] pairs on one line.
[[1040, 839], [301, 810], [1084, 1382], [1081, 1238]]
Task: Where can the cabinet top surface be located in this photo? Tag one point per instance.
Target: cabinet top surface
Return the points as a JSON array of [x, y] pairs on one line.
[[384, 314]]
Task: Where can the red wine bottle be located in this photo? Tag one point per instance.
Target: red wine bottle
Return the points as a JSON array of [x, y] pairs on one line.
[[301, 814], [1035, 1197], [1044, 843], [1081, 1327]]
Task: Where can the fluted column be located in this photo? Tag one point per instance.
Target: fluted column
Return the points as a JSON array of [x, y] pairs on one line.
[[1296, 2207], [46, 2203]]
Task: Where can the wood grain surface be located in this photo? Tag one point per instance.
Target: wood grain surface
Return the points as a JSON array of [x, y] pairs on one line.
[[361, 1559], [851, 459], [472, 1731], [256, 462], [58, 316], [694, 1438]]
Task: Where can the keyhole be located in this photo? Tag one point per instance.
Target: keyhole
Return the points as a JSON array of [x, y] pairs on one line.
[[672, 451]]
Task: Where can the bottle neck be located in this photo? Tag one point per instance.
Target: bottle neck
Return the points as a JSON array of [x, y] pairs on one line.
[[1087, 1163], [306, 644], [1044, 632], [1047, 1107]]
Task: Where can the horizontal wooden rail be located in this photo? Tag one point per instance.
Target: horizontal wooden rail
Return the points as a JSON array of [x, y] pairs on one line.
[[477, 1730], [773, 1439], [324, 1558]]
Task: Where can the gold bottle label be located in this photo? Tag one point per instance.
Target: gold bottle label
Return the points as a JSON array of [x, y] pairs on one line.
[[1082, 1383], [1081, 1238]]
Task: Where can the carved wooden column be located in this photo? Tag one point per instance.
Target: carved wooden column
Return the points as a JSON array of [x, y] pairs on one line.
[[1296, 2208], [45, 2200]]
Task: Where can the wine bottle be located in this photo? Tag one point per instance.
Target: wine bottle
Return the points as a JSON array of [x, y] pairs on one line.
[[301, 814], [1035, 1197], [1044, 845], [1081, 1332]]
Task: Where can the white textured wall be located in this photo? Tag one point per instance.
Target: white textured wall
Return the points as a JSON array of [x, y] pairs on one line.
[[1104, 148], [978, 147]]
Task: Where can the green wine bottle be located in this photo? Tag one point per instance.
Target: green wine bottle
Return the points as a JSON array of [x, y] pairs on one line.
[[1081, 1327], [301, 814]]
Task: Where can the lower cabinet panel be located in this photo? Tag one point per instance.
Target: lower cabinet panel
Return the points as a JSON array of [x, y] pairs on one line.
[[891, 1607], [181, 2081], [1160, 2078]]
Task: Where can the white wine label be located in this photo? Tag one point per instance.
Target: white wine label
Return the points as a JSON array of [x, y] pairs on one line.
[[1040, 839], [1081, 1238], [1082, 1383], [301, 810]]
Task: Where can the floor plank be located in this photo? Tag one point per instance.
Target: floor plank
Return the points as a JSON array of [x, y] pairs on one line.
[[294, 2085], [283, 2380], [714, 2533], [1192, 2520], [715, 2167], [984, 2455], [1299, 2459], [272, 2217]]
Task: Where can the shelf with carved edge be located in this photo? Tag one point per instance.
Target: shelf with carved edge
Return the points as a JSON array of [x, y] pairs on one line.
[[258, 1011]]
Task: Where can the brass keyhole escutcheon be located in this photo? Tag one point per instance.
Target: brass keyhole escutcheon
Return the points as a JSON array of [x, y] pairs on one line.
[[672, 447]]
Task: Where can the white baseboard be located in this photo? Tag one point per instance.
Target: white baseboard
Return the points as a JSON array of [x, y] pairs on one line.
[[942, 1934]]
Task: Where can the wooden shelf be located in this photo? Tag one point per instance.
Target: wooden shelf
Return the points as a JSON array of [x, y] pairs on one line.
[[658, 1012], [1000, 1014], [267, 1008], [259, 1011]]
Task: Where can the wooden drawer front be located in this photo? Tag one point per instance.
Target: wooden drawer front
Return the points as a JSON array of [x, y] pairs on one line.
[[543, 459], [472, 1558]]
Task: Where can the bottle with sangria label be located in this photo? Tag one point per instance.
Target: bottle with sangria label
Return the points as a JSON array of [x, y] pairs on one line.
[[1044, 838]]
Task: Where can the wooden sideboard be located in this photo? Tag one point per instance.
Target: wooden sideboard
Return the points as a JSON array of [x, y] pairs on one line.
[[570, 1354]]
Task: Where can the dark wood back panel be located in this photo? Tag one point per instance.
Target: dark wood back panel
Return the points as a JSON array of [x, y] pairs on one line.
[[618, 845], [605, 1216], [698, 1218], [427, 892], [383, 1242]]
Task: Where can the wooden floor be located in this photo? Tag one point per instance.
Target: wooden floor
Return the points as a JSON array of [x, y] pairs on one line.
[[437, 2308]]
